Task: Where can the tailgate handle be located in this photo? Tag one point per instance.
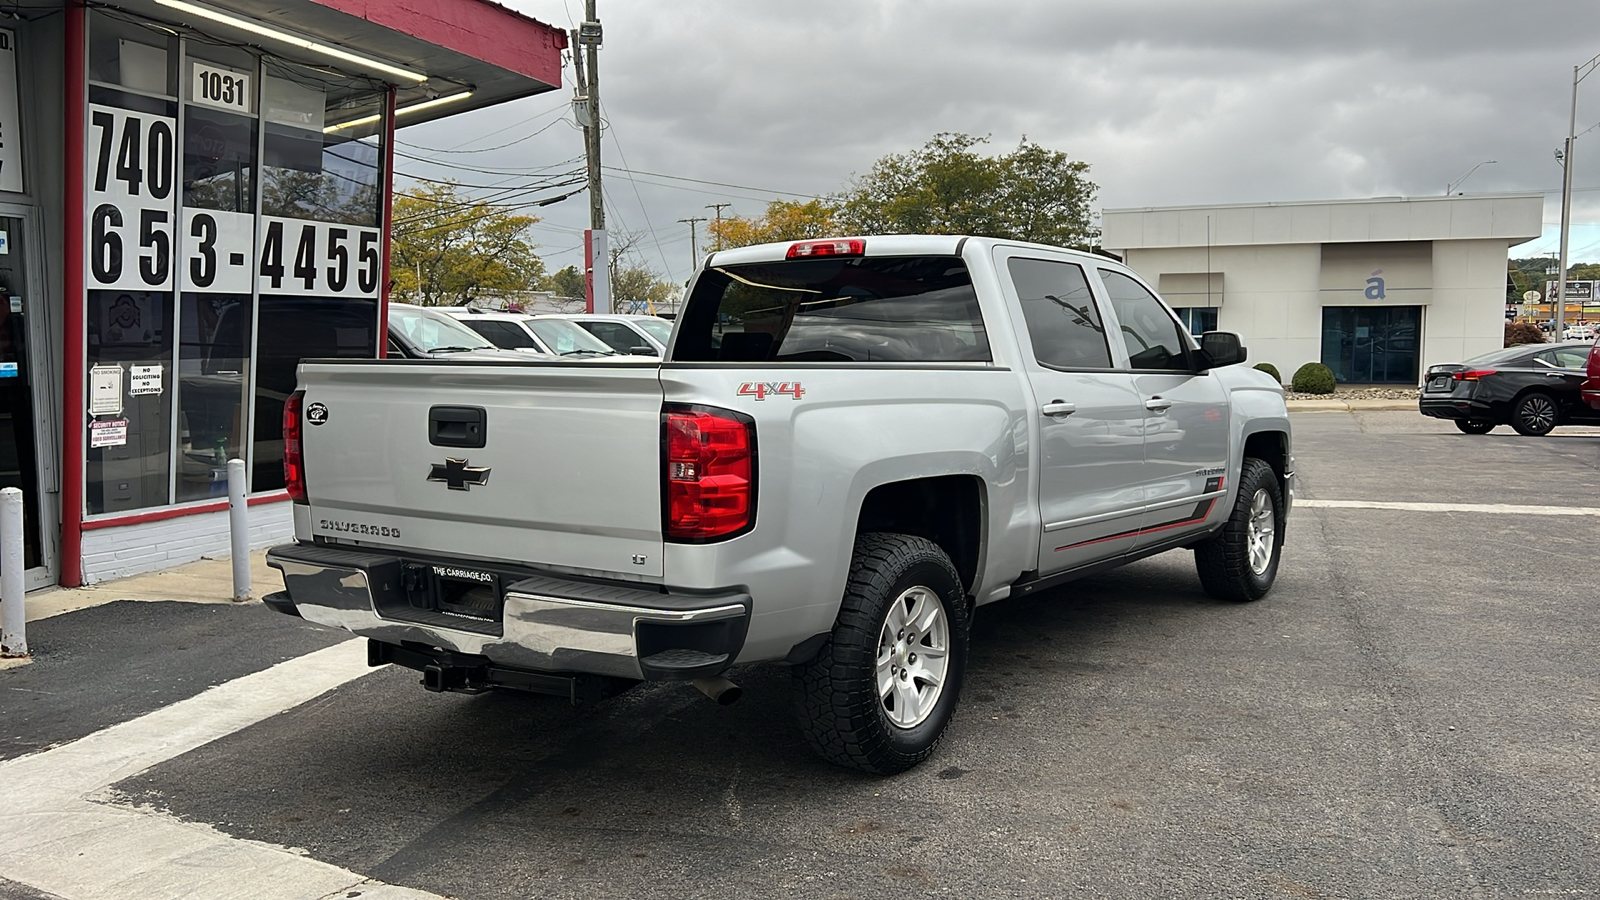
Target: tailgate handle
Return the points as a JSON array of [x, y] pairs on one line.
[[457, 426]]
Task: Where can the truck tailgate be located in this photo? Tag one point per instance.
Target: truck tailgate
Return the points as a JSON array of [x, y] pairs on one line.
[[567, 474]]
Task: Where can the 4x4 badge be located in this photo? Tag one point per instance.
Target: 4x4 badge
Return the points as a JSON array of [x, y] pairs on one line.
[[457, 475]]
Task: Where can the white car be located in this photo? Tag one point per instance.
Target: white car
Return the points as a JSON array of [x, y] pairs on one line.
[[551, 335], [1584, 332], [634, 335]]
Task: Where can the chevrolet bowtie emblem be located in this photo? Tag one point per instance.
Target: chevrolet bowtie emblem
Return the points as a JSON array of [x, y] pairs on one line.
[[457, 475]]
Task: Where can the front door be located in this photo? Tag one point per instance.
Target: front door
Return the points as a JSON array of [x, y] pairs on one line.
[[22, 382], [1186, 424]]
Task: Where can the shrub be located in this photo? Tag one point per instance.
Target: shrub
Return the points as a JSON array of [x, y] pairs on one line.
[[1313, 378], [1518, 333], [1270, 369]]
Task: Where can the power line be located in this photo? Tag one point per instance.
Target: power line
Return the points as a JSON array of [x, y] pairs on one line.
[[532, 134], [742, 187], [642, 210]]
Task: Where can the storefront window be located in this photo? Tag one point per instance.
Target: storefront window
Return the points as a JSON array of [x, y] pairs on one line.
[[130, 352], [322, 159], [233, 203], [293, 329]]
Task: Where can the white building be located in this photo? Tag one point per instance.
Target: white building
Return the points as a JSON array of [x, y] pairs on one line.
[[1376, 289]]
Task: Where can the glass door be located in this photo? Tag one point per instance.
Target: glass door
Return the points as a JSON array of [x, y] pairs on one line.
[[20, 298]]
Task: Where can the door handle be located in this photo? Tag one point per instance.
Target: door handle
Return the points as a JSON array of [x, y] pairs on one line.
[[1059, 408], [1157, 404], [1556, 374]]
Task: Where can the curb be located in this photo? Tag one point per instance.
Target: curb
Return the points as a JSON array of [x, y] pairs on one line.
[[1348, 405]]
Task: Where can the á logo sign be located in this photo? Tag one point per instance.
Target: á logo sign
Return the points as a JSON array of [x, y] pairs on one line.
[[761, 390], [1375, 286]]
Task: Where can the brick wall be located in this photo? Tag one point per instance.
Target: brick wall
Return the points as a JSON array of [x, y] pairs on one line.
[[115, 552]]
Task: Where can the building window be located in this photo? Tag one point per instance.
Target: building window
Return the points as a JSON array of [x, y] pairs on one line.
[[233, 203], [129, 356], [1198, 319], [1371, 344]]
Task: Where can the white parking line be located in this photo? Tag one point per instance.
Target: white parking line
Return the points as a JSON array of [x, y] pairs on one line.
[[59, 834], [1492, 508]]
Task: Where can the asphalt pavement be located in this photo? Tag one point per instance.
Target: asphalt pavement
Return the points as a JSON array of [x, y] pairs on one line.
[[1412, 712]]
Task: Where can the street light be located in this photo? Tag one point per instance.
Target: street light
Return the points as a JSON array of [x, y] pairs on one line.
[[1450, 188], [1579, 73]]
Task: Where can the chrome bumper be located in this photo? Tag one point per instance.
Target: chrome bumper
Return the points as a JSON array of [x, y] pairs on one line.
[[547, 624]]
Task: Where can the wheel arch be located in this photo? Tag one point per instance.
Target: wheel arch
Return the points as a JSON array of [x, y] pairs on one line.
[[949, 510]]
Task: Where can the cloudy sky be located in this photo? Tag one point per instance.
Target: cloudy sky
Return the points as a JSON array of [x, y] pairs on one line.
[[1171, 102]]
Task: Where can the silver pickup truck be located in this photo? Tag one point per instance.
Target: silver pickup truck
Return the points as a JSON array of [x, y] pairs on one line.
[[848, 446]]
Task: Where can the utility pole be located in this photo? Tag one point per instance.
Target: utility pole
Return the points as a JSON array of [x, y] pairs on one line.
[[719, 207], [694, 252], [1579, 73], [586, 105]]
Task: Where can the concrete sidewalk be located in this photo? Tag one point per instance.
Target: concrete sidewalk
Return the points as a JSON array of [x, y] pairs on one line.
[[204, 581]]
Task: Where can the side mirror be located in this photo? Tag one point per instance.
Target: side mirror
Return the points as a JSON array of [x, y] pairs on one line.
[[1221, 348], [642, 350]]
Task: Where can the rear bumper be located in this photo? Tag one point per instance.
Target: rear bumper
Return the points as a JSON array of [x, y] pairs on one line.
[[546, 623], [1455, 408]]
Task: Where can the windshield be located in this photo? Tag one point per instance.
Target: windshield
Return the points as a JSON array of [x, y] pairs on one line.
[[567, 338], [432, 332], [660, 329]]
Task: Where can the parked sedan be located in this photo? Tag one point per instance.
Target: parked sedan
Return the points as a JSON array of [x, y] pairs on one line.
[[419, 333], [548, 335], [631, 334], [1533, 388]]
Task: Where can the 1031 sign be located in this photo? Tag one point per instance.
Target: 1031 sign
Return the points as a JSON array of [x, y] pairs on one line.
[[132, 170], [317, 258]]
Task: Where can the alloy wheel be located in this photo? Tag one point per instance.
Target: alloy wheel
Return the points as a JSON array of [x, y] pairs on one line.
[[1261, 532], [913, 656]]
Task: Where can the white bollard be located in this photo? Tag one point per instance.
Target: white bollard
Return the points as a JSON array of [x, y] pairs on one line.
[[13, 616], [239, 530]]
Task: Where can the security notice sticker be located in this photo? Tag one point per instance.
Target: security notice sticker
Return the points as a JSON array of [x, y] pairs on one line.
[[144, 380], [108, 432]]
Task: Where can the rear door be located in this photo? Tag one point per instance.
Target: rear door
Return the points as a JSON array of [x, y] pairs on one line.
[[1090, 419], [540, 463], [1186, 414]]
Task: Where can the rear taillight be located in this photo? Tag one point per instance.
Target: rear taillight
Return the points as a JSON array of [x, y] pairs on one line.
[[844, 247], [1472, 375], [710, 473], [294, 466]]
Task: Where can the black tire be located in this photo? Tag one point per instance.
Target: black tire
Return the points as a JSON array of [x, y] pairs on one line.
[[1535, 414], [1224, 560], [1474, 426], [844, 717]]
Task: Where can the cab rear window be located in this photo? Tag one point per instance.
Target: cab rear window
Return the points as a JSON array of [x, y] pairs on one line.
[[873, 309]]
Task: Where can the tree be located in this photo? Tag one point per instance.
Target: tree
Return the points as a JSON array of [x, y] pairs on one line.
[[635, 287], [448, 250], [784, 220], [567, 283], [946, 187]]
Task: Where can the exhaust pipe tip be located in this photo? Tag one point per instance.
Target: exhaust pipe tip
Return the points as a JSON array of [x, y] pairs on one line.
[[719, 689]]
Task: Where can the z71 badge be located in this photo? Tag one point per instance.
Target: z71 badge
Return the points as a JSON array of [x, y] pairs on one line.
[[761, 390]]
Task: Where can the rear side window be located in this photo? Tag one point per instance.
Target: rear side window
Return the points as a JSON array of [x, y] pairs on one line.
[[1062, 320], [876, 309], [1153, 336]]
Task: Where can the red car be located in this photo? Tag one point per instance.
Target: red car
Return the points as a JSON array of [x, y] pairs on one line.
[[1591, 385]]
